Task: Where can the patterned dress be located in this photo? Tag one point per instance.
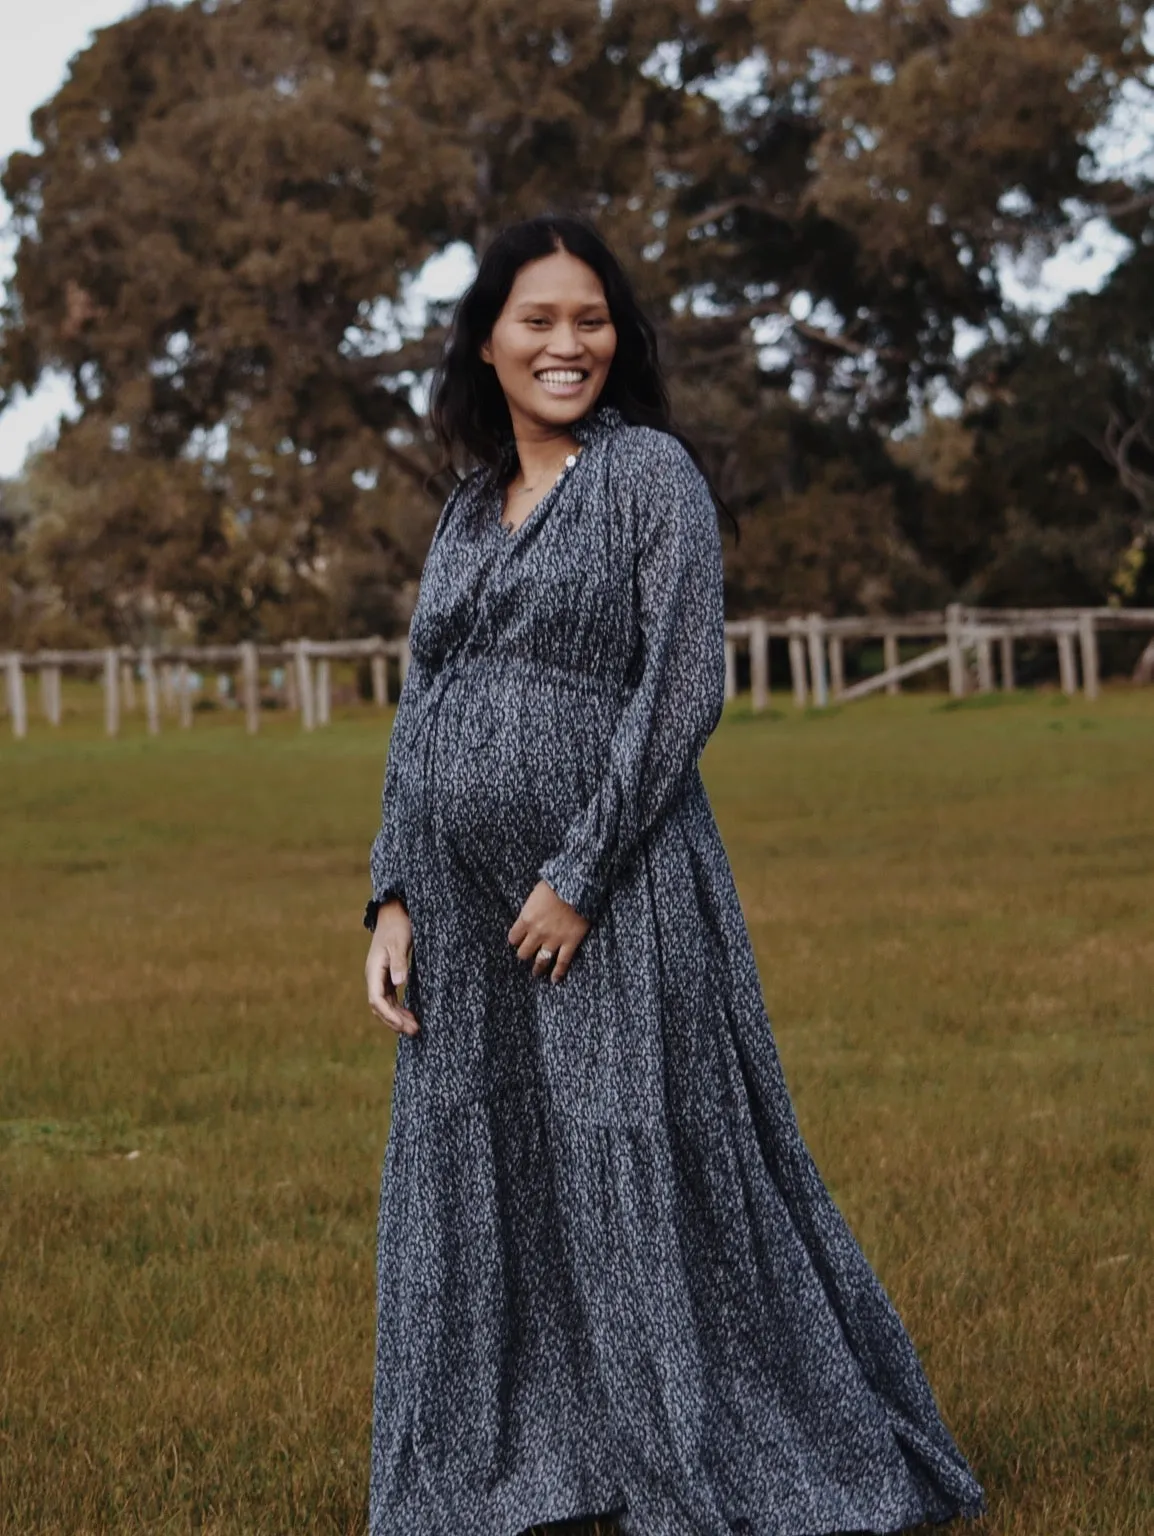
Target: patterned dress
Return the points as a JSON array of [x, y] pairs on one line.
[[610, 1276]]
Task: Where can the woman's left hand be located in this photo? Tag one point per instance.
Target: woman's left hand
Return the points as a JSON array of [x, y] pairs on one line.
[[546, 922]]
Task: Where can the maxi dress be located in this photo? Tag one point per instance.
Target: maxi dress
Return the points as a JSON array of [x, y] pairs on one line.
[[610, 1278]]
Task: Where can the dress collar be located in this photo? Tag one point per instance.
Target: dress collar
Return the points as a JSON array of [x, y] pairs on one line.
[[601, 422], [594, 427]]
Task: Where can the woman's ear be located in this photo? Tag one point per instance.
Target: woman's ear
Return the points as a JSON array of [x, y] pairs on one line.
[[486, 352]]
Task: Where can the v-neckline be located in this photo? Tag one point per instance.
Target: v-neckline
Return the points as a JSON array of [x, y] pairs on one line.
[[511, 535]]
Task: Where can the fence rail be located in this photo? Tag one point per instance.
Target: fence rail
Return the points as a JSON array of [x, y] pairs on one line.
[[166, 675]]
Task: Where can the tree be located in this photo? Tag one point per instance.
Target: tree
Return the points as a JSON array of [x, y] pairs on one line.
[[1061, 479], [229, 204]]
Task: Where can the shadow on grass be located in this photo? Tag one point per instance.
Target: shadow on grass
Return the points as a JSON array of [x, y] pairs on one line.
[[741, 713], [976, 702]]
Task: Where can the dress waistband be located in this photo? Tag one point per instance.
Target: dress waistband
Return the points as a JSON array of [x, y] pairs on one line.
[[528, 672], [549, 674]]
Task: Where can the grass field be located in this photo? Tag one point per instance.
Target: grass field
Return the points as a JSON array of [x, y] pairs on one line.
[[953, 908]]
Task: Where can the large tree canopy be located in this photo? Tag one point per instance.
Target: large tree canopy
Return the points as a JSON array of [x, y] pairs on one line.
[[219, 230]]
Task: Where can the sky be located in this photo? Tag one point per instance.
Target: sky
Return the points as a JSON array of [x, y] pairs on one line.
[[36, 43], [38, 40]]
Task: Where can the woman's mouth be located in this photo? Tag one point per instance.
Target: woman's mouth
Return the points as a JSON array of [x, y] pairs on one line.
[[562, 381]]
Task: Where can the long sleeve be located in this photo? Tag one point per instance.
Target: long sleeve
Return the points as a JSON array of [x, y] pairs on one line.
[[678, 699], [385, 868]]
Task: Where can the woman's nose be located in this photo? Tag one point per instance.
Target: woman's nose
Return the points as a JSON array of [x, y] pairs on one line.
[[566, 342]]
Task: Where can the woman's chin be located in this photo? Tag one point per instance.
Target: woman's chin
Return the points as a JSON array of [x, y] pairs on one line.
[[559, 410]]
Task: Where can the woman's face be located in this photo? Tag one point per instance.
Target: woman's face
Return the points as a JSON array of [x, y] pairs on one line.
[[552, 343]]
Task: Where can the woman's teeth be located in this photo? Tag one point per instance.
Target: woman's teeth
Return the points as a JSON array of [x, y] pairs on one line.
[[561, 376]]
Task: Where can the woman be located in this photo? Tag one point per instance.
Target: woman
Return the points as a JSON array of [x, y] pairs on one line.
[[610, 1277]]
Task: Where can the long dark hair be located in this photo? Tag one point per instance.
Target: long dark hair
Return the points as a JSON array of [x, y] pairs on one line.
[[468, 410]]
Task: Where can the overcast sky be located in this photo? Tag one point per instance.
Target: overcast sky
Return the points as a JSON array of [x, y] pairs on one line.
[[38, 39], [36, 42]]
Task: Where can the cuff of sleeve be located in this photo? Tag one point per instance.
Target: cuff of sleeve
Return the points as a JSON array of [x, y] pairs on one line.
[[564, 875], [374, 905]]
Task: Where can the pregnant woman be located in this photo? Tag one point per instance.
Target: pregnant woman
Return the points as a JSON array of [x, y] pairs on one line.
[[611, 1280]]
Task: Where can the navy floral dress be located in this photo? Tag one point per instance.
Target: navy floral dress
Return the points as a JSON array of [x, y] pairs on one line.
[[610, 1276]]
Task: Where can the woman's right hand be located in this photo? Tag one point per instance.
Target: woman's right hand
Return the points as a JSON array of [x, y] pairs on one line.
[[387, 967]]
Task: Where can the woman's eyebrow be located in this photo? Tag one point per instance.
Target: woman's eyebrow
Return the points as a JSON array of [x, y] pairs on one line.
[[553, 304]]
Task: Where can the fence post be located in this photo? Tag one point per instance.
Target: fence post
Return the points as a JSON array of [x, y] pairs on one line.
[[151, 692], [292, 693], [380, 679], [111, 692], [816, 636], [127, 684], [304, 674], [956, 660], [758, 663], [50, 693], [324, 705], [1143, 673], [890, 661], [1008, 678], [797, 662], [17, 702], [1067, 667], [731, 669], [406, 657], [836, 666], [250, 686], [985, 665], [184, 694], [1088, 645]]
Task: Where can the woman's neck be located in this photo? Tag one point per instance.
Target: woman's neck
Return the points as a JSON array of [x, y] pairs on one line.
[[541, 448]]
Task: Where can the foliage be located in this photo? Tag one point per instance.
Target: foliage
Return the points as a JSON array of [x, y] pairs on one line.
[[220, 229], [1063, 426]]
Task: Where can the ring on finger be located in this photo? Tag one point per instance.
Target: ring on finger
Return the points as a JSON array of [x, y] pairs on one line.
[[548, 955]]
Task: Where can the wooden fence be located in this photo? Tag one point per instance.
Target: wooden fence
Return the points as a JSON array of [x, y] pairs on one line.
[[966, 637], [160, 679]]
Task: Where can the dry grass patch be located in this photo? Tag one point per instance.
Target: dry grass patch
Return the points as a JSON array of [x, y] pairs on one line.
[[952, 912]]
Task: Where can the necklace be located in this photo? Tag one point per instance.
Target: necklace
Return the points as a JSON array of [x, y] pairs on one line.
[[568, 463], [570, 460]]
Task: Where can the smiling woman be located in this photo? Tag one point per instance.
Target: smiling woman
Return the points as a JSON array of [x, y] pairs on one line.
[[551, 348], [556, 331], [610, 1278]]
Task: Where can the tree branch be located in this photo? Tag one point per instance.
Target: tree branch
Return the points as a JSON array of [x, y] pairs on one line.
[[728, 205], [1135, 204], [1118, 442], [704, 328], [415, 356]]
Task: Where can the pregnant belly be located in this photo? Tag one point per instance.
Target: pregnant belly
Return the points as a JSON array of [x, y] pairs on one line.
[[513, 763]]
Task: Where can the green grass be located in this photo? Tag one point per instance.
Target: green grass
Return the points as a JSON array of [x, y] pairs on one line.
[[953, 909]]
